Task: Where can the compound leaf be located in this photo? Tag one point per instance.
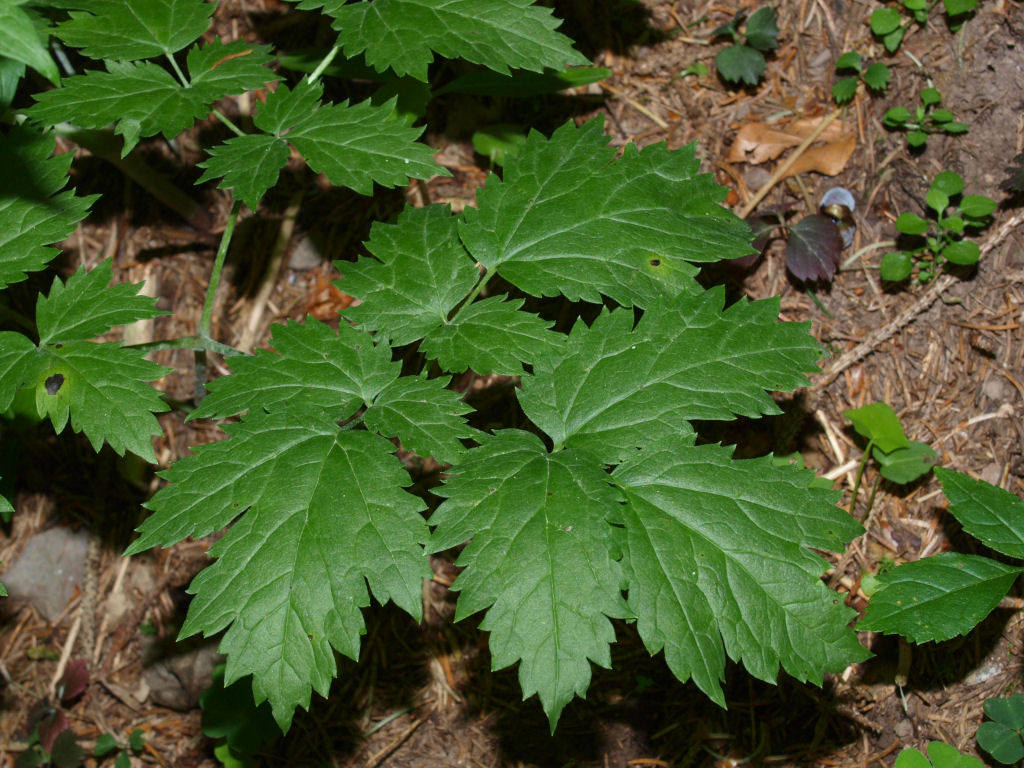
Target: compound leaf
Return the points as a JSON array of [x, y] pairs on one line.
[[717, 562], [937, 598], [618, 388], [564, 218], [33, 210], [402, 34], [323, 515], [144, 99], [993, 516], [420, 275], [354, 145], [126, 30], [424, 415], [493, 336], [541, 562], [334, 373], [20, 41]]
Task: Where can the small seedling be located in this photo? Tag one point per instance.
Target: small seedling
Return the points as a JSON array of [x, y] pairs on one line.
[[930, 245], [106, 744], [1001, 735], [813, 244], [875, 76], [890, 26], [743, 61], [937, 598], [899, 460], [926, 119]]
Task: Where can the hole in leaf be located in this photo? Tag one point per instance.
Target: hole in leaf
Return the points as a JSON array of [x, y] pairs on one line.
[[54, 383]]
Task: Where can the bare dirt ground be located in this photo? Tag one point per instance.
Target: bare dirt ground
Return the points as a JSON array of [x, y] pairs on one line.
[[950, 361]]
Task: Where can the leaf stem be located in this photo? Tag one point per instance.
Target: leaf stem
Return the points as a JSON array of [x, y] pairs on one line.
[[860, 474], [484, 279], [324, 63], [177, 70], [227, 121], [188, 342], [218, 265]]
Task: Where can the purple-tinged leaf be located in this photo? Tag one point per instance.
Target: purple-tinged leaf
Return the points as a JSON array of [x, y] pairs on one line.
[[813, 250]]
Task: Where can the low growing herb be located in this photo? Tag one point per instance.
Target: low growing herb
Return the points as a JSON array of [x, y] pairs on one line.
[[890, 25], [875, 77], [925, 120], [929, 245], [743, 61]]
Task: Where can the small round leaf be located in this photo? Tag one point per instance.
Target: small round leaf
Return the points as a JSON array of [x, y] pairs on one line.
[[962, 252], [948, 182], [896, 117], [999, 741], [930, 96], [911, 224], [877, 76], [844, 90], [885, 20], [896, 266], [849, 60], [937, 200], [977, 206]]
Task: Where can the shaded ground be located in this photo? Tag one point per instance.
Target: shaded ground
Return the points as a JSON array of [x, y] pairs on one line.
[[424, 696]]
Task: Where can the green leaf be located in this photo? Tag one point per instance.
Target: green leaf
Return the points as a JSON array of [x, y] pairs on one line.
[[930, 97], [885, 21], [977, 206], [333, 373], [939, 756], [20, 41], [541, 561], [522, 84], [421, 273], [896, 117], [917, 138], [942, 116], [845, 89], [762, 31], [229, 713], [404, 34], [850, 60], [878, 423], [493, 336], [953, 224], [354, 146], [126, 30], [718, 562], [892, 40], [143, 99], [911, 224], [993, 516], [33, 210], [962, 252], [896, 266], [959, 7], [937, 598], [1003, 743], [98, 387], [948, 182], [11, 74], [1008, 711], [904, 465], [85, 307], [248, 165], [740, 64], [565, 218], [105, 743], [877, 76], [322, 515], [498, 142], [937, 200], [137, 739], [423, 415], [617, 388]]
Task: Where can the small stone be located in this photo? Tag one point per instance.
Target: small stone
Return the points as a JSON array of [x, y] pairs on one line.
[[305, 255], [46, 572]]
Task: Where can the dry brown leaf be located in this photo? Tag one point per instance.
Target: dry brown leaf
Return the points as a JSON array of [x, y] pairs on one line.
[[829, 159], [759, 142]]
